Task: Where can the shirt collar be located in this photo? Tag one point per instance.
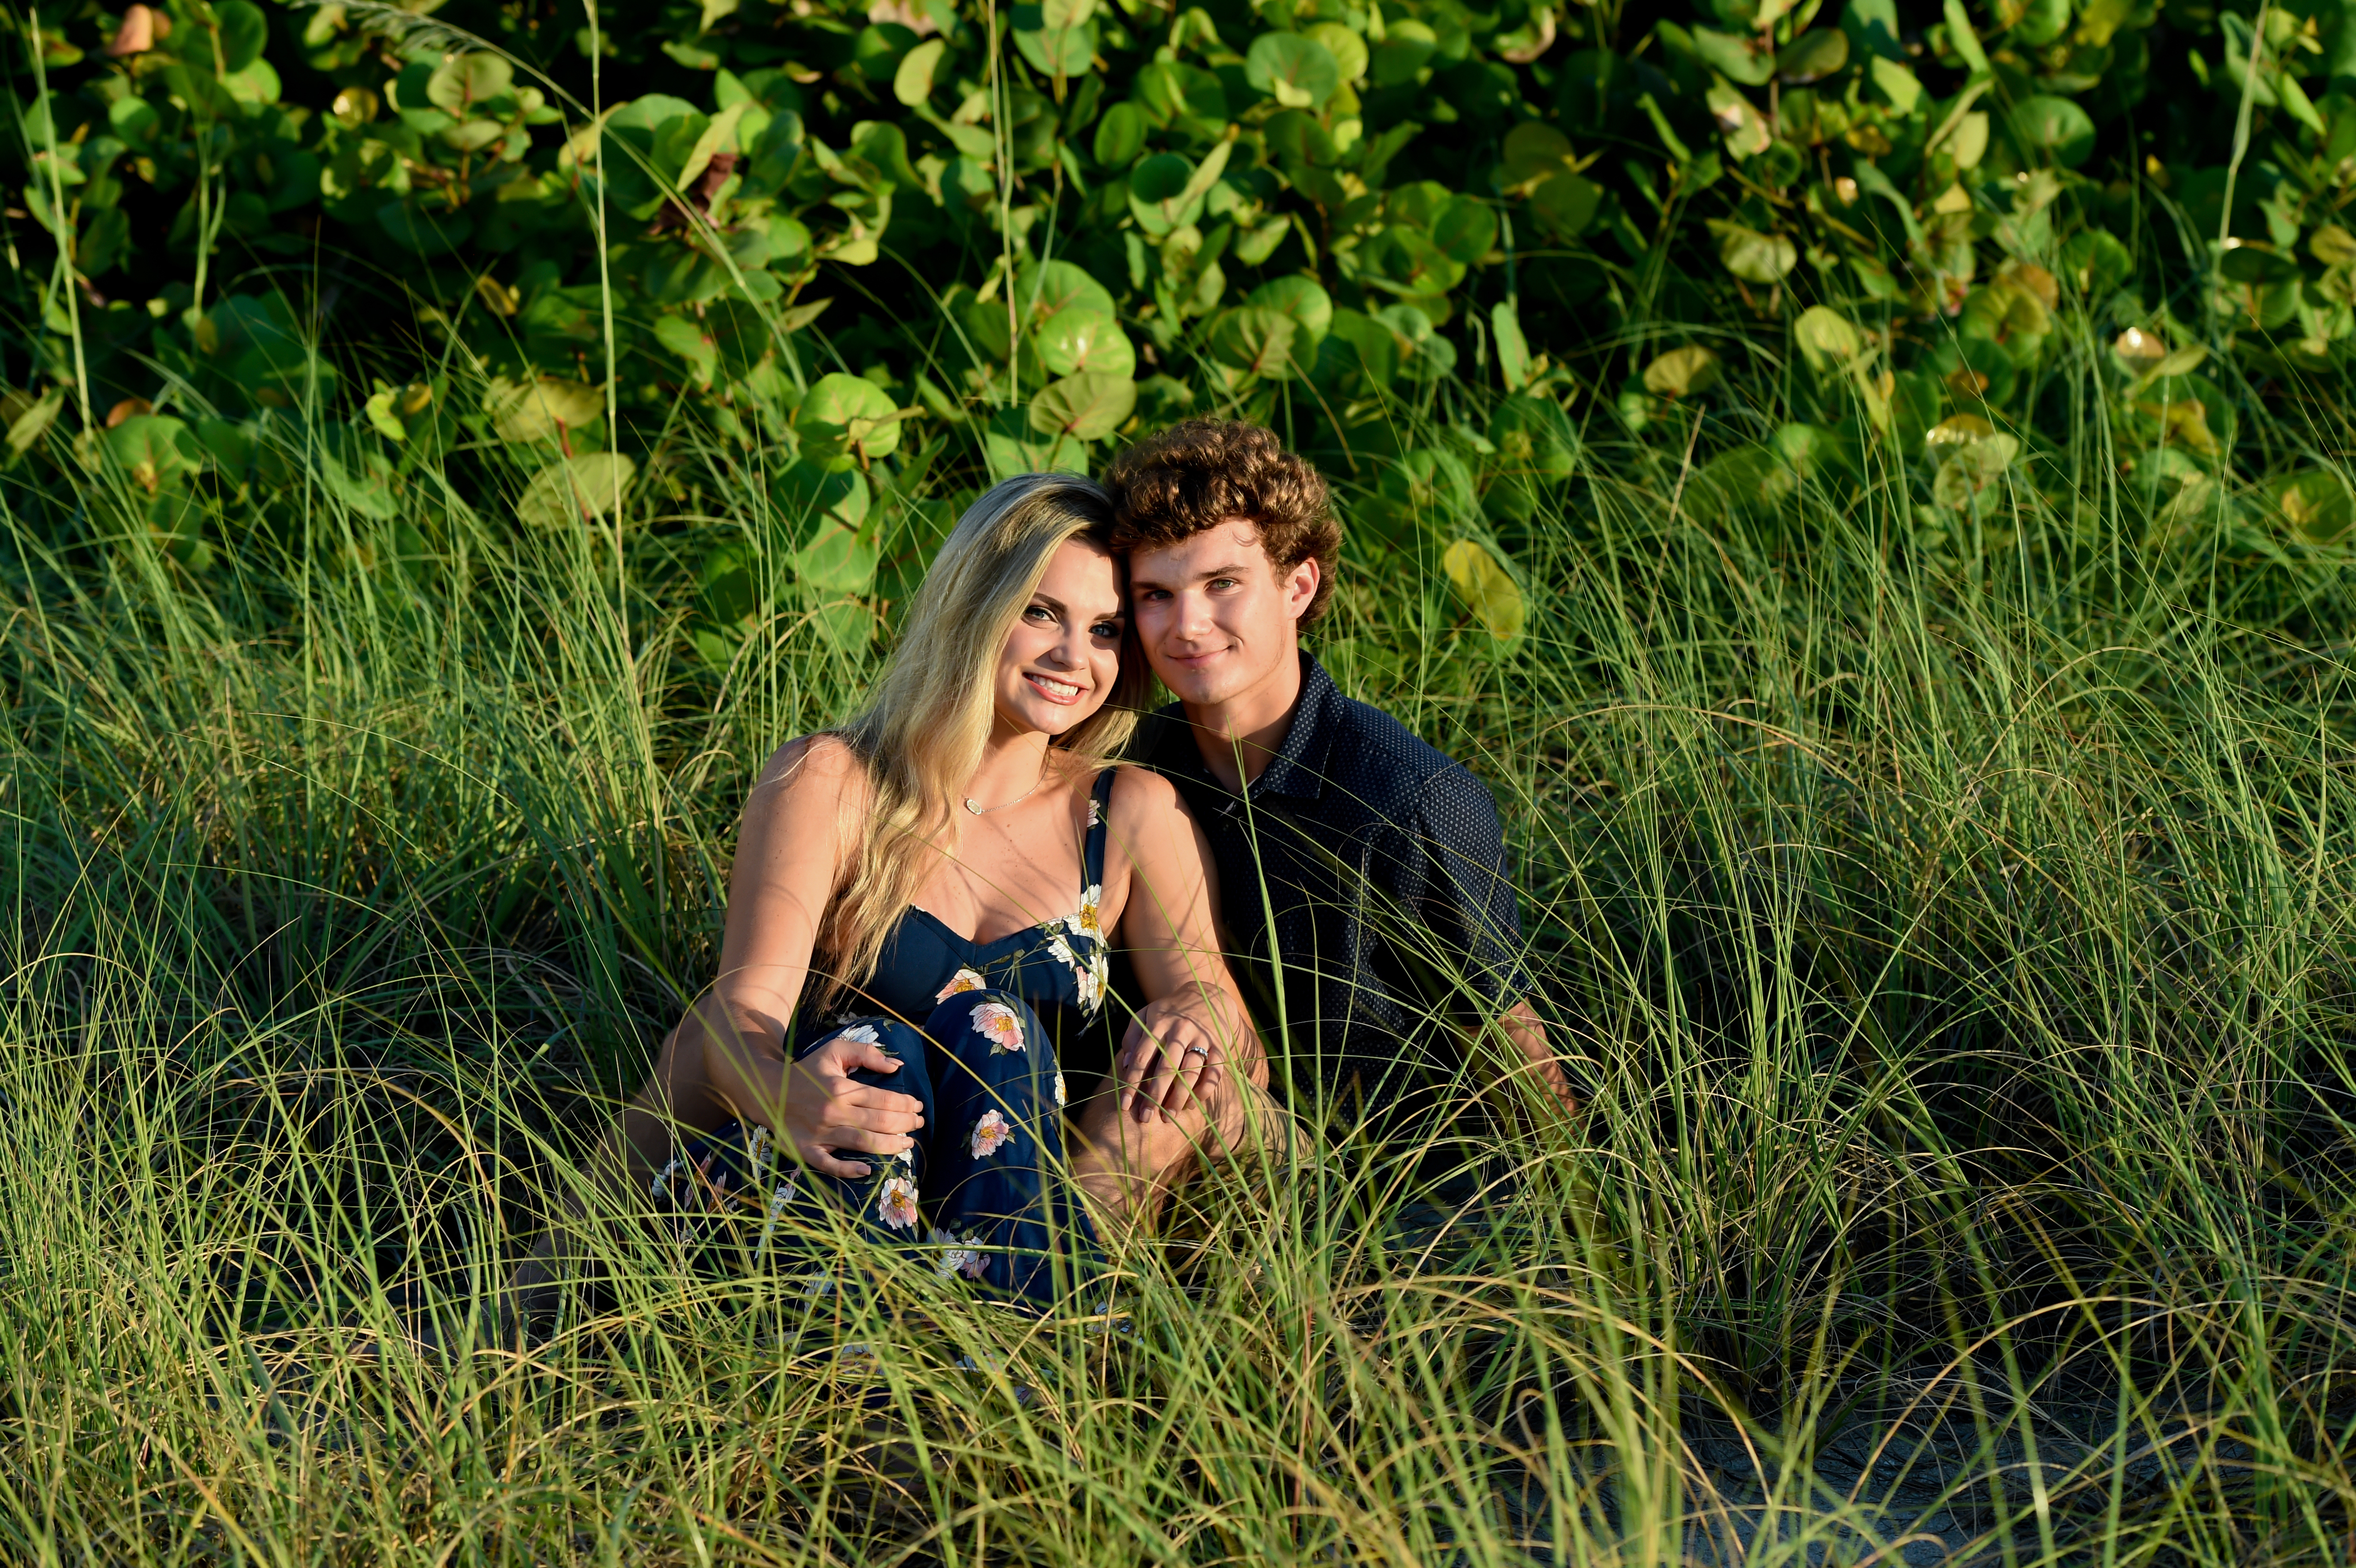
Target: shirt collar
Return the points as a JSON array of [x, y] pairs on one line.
[[1297, 769]]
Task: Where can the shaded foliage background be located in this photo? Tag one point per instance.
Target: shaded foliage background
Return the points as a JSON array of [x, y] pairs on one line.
[[860, 245]]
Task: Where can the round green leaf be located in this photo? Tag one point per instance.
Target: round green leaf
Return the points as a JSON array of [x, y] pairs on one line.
[[1058, 286], [466, 80], [1378, 349], [575, 489], [1084, 407], [152, 448], [1262, 342], [880, 47], [1733, 57], [1084, 338], [1753, 256], [1404, 259], [1534, 148], [532, 411], [2055, 126], [1168, 91], [844, 416], [1407, 47], [841, 560], [2331, 245], [811, 498], [1813, 56], [1309, 305], [1295, 137], [2041, 22], [2258, 264], [1121, 135], [912, 84], [1487, 587], [1826, 339], [1467, 230], [243, 32], [473, 136], [1566, 203], [1682, 372], [1059, 51], [1348, 50], [1159, 195], [2316, 505], [1294, 70]]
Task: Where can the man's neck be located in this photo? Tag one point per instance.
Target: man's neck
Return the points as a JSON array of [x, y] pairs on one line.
[[1239, 737]]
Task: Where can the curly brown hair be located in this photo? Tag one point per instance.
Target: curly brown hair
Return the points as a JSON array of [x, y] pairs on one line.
[[1169, 487]]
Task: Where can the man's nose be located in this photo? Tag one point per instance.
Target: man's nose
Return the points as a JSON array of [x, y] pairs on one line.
[[1194, 614]]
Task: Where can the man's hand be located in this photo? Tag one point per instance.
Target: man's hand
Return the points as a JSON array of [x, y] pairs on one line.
[[1521, 1027], [1171, 1058], [827, 1111]]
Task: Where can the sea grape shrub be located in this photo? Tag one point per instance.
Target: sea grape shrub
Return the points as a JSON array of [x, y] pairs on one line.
[[1023, 247]]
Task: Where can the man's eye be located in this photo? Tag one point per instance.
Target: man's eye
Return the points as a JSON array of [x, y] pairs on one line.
[[1222, 582]]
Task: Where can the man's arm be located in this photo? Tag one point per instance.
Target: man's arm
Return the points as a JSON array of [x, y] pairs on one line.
[[1462, 892]]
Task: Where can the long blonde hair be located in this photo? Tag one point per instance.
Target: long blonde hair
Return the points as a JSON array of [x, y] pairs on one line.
[[922, 735]]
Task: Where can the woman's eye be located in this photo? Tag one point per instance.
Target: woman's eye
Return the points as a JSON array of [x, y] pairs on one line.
[[1038, 613], [1106, 629]]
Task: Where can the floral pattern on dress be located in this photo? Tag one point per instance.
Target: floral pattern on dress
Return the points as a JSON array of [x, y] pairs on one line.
[[861, 1034], [1078, 942], [996, 1021], [991, 1134], [895, 1204], [960, 1254], [963, 980], [1059, 1088]]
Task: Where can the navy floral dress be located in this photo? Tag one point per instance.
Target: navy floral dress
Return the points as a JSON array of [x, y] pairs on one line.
[[982, 1187]]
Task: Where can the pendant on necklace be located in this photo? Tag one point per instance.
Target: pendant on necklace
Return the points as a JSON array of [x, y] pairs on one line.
[[973, 806]]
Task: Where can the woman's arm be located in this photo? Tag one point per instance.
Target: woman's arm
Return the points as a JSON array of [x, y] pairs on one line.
[[1192, 1025], [727, 1056]]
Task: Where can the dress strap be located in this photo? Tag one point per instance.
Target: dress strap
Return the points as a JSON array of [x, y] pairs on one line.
[[1092, 853]]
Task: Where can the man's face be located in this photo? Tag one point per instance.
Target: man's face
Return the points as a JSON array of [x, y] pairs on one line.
[[1215, 616]]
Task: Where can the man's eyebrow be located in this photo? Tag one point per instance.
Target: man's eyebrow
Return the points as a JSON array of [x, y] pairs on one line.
[[1232, 568]]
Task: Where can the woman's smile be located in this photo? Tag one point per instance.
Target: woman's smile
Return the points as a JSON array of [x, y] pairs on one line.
[[1063, 693]]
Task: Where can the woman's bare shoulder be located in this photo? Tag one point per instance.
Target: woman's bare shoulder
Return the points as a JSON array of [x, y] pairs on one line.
[[809, 768]]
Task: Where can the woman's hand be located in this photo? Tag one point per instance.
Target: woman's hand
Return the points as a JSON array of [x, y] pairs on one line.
[[1174, 1054], [828, 1112]]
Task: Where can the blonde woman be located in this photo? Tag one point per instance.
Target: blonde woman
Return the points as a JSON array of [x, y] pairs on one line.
[[918, 920]]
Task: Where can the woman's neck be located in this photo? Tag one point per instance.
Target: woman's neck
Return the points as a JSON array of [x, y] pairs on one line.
[[1011, 765]]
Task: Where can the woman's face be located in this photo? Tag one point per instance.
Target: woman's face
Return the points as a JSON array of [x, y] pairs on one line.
[[1063, 654]]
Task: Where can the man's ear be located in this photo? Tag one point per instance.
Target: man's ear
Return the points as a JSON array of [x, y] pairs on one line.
[[1300, 587]]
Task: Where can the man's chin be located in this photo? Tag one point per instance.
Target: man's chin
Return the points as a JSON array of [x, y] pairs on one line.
[[1205, 682]]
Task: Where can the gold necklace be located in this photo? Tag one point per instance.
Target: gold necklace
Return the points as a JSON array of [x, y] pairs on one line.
[[977, 808]]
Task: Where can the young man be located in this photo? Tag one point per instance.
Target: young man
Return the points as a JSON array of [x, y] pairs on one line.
[[1363, 885]]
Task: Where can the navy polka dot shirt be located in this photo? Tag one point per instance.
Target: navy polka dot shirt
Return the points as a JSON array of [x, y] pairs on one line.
[[1363, 892]]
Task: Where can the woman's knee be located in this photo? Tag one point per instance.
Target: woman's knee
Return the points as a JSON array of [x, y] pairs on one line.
[[902, 1042]]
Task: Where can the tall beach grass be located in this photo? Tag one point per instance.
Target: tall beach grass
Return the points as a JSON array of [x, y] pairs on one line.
[[1948, 913]]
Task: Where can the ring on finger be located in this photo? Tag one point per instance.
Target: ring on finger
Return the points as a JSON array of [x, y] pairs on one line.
[[1197, 1051]]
